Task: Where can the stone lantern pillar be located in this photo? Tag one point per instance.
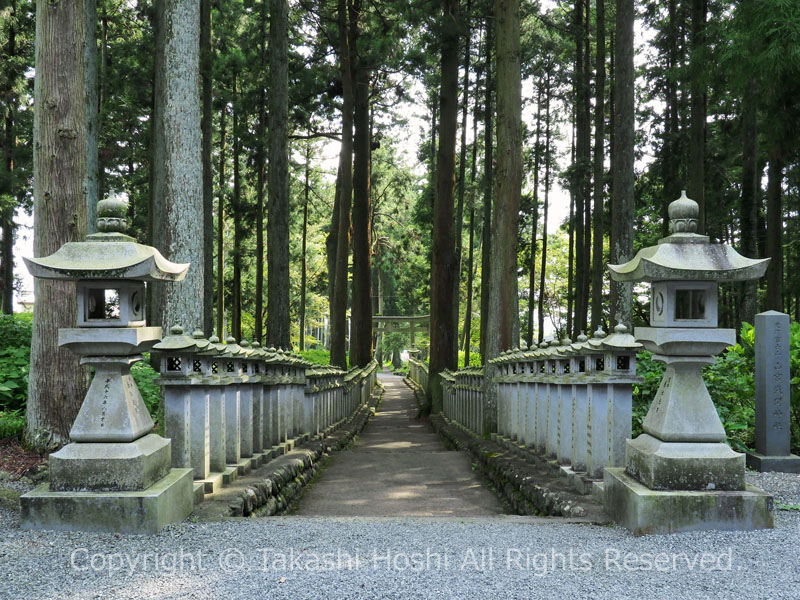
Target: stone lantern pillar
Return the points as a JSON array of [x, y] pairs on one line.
[[679, 474], [116, 475]]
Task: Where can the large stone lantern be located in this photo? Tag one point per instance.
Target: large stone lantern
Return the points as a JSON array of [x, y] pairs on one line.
[[115, 475], [680, 474]]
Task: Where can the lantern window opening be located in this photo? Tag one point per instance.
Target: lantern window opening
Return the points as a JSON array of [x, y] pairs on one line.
[[104, 303], [599, 365], [174, 363], [690, 304], [197, 366], [215, 367], [229, 367], [582, 366], [623, 362]]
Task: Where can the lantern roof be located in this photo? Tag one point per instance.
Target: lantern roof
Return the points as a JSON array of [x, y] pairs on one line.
[[108, 254], [176, 341], [685, 255]]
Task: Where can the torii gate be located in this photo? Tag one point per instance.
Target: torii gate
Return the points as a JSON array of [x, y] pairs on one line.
[[421, 323]]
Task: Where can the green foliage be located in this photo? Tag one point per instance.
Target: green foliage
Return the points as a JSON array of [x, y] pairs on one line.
[[144, 376], [15, 344], [474, 359], [318, 356], [12, 424]]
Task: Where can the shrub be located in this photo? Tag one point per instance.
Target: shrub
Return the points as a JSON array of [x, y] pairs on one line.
[[317, 356], [15, 354], [12, 424]]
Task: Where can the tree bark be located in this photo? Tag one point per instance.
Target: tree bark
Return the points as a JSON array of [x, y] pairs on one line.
[[92, 120], [206, 74], [488, 180], [236, 209], [345, 191], [278, 322], [543, 269], [361, 311], [178, 175], [306, 190], [221, 228], [534, 216], [623, 181], [580, 173], [444, 329], [462, 173], [698, 112], [599, 169], [750, 197], [56, 382], [9, 147], [503, 313]]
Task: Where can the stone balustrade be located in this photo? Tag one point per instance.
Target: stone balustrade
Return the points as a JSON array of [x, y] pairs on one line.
[[418, 372], [231, 407], [570, 402]]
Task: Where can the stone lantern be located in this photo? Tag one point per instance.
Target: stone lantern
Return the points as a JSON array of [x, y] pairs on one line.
[[680, 474], [115, 475]]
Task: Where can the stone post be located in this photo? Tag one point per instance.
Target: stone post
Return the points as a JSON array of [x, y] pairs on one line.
[[773, 396]]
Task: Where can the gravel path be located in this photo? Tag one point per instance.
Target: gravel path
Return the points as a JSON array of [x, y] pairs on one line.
[[472, 557]]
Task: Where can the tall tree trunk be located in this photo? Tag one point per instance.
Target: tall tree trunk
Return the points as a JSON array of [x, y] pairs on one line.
[[488, 181], [9, 147], [444, 329], [579, 176], [56, 382], [331, 245], [503, 306], [221, 228], [534, 215], [697, 169], [586, 106], [623, 181], [471, 250], [462, 173], [206, 75], [775, 229], [599, 171], [236, 209], [571, 253], [178, 184], [543, 269], [361, 311], [748, 213], [92, 106], [671, 158], [345, 191], [261, 129], [278, 322], [306, 190]]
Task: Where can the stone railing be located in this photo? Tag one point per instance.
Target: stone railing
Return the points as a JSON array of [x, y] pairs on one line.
[[462, 400], [230, 407], [570, 402], [418, 372]]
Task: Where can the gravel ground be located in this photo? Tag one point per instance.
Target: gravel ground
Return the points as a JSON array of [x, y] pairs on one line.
[[497, 557]]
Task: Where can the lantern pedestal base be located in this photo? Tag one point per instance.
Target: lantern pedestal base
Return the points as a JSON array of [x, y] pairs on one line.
[[169, 500], [110, 467], [663, 465], [644, 511]]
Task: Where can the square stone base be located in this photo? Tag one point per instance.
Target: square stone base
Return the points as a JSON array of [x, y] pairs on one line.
[[212, 484], [110, 466], [644, 511], [169, 500], [782, 464], [670, 466]]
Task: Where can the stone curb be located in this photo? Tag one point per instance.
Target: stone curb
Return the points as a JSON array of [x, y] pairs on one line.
[[526, 488], [282, 480]]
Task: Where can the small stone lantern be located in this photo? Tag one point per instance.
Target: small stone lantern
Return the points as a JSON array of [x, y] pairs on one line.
[[115, 475], [679, 474]]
